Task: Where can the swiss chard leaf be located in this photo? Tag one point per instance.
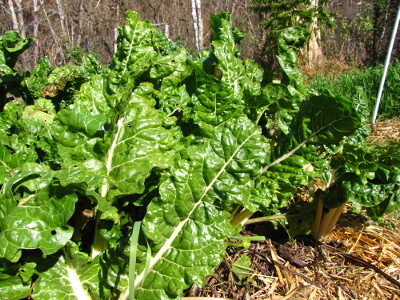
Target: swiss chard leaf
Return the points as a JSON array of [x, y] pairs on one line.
[[67, 274], [11, 46], [188, 223], [167, 138], [322, 120], [37, 221]]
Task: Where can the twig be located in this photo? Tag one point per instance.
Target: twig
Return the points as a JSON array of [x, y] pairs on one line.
[[371, 266]]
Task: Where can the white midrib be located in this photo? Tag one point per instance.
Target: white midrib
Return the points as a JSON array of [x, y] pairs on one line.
[[79, 291], [295, 149], [3, 163], [283, 157], [99, 243], [105, 187], [167, 245]]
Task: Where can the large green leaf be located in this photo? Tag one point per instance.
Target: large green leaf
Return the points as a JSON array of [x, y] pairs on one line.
[[11, 46], [36, 79], [38, 221], [113, 121], [323, 119], [297, 157], [19, 135], [224, 39], [368, 178], [15, 280], [67, 274], [289, 42], [188, 223], [222, 96]]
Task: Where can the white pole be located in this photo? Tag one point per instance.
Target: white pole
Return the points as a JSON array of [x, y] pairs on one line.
[[394, 32]]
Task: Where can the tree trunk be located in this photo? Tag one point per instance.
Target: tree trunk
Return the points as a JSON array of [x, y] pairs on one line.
[[36, 23], [17, 17], [200, 23], [80, 24], [20, 17], [55, 53], [13, 15], [314, 50], [62, 19], [116, 29], [197, 24]]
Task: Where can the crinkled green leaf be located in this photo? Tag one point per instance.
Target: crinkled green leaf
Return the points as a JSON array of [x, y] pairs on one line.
[[388, 154], [90, 97], [60, 76], [252, 81], [13, 287], [7, 163], [224, 39], [43, 110], [380, 194], [25, 133], [278, 102], [116, 123], [139, 144], [67, 274], [15, 279], [87, 124], [213, 106], [36, 79], [296, 159], [322, 119], [289, 41], [188, 223], [30, 176], [355, 159], [11, 46], [10, 115], [90, 67], [38, 221], [223, 96], [281, 182], [135, 53]]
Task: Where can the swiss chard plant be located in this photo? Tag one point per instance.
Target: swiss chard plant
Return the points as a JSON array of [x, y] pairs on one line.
[[180, 149]]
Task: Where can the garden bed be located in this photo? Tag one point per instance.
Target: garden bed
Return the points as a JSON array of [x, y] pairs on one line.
[[358, 260], [361, 261]]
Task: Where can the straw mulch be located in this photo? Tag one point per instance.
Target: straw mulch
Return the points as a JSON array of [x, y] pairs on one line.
[[385, 130], [352, 263]]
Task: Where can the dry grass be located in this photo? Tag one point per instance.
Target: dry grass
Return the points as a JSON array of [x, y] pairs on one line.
[[385, 130], [332, 68]]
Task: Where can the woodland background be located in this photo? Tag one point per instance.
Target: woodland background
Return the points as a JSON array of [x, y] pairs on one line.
[[64, 29]]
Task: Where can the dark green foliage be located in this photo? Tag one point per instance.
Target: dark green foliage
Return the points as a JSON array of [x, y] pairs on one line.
[[161, 136], [364, 83]]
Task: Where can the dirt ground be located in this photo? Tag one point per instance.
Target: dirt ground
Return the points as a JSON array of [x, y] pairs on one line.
[[358, 260]]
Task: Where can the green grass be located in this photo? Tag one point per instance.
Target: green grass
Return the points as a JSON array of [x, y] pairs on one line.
[[365, 82]]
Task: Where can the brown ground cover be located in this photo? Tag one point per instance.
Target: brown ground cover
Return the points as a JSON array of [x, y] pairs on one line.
[[386, 130]]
